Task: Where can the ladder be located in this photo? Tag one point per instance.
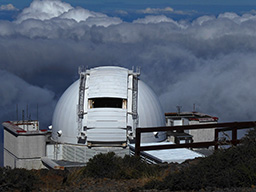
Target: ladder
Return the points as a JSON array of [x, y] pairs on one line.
[[80, 107], [135, 98]]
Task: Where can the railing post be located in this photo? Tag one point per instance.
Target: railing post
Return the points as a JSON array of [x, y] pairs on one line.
[[234, 136], [137, 141], [216, 139]]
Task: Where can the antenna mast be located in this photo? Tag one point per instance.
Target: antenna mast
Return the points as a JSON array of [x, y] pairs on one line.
[[37, 112], [17, 112], [179, 108]]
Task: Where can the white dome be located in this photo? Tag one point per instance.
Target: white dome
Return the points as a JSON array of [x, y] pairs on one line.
[[107, 82]]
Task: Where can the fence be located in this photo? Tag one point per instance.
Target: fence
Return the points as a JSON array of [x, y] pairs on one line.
[[219, 127]]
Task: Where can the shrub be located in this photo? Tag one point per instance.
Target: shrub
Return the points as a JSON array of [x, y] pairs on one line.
[[103, 165], [111, 166], [135, 168], [233, 167], [17, 179]]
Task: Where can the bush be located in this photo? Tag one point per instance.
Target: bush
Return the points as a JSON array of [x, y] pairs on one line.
[[103, 165], [233, 167], [17, 179], [135, 168], [111, 166]]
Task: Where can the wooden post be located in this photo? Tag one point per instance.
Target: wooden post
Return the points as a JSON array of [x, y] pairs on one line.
[[216, 139], [234, 136], [137, 143]]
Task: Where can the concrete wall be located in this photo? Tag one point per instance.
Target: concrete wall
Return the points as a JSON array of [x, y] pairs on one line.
[[24, 150], [201, 135], [9, 159]]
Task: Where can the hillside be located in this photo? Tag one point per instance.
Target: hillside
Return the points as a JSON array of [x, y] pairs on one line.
[[233, 169]]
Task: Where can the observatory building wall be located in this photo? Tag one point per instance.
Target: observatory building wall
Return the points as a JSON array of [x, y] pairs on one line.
[[23, 149]]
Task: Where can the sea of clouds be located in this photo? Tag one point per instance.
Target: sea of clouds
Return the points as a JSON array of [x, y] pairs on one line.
[[209, 62]]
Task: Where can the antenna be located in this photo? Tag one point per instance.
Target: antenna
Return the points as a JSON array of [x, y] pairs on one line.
[[138, 70], [17, 112], [37, 112], [23, 118], [179, 108], [23, 113], [81, 69], [194, 107], [27, 111]]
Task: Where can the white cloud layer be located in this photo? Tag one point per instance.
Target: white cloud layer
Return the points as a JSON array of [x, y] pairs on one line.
[[156, 10], [209, 62], [8, 7], [15, 91], [155, 19], [166, 10], [55, 9]]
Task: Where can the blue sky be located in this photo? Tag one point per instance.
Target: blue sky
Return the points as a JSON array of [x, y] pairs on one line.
[[109, 6], [24, 3]]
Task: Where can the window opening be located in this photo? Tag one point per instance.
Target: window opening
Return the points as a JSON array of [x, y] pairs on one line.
[[107, 103]]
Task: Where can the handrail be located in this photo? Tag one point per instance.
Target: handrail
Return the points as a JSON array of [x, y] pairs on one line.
[[234, 126]]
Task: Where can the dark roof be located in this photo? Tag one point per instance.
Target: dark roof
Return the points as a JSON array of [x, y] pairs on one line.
[[195, 115]]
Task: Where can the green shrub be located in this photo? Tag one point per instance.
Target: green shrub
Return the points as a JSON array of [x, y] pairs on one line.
[[233, 167], [17, 179], [111, 166], [103, 165], [135, 168]]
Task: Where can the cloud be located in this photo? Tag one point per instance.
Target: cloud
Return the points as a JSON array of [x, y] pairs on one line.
[[121, 12], [253, 12], [154, 19], [44, 10], [15, 91], [224, 88], [166, 10], [156, 10], [55, 9], [209, 61], [8, 7], [203, 19]]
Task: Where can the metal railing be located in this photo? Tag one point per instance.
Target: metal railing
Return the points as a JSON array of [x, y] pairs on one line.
[[219, 127]]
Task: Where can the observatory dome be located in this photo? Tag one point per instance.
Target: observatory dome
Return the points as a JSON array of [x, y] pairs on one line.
[[105, 106]]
